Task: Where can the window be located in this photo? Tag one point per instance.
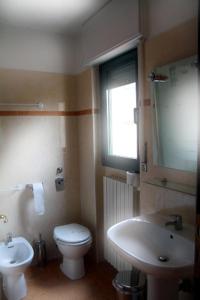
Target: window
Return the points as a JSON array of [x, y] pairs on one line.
[[120, 112]]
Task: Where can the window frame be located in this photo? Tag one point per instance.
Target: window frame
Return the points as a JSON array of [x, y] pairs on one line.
[[117, 162]]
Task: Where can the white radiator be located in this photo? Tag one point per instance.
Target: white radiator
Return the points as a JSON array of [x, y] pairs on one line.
[[120, 203]]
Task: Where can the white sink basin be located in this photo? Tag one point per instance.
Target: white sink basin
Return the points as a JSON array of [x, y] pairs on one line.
[[143, 240], [14, 259]]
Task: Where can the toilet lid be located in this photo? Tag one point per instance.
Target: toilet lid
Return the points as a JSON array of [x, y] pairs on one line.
[[72, 233]]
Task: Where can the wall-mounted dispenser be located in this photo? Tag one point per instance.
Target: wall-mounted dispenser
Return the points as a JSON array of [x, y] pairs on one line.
[[59, 180]]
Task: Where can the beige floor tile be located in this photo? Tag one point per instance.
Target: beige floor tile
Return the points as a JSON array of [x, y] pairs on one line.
[[50, 284]]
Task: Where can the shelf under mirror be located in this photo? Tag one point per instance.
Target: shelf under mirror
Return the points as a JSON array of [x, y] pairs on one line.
[[178, 187]]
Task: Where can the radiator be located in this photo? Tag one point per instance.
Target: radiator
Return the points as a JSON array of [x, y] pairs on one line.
[[120, 203]]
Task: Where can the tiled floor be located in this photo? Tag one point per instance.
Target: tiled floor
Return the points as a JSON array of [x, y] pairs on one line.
[[50, 284]]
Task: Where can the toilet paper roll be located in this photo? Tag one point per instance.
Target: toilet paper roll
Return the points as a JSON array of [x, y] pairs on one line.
[[38, 194], [133, 179]]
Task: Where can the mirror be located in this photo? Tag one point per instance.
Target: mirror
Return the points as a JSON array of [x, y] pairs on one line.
[[175, 114]]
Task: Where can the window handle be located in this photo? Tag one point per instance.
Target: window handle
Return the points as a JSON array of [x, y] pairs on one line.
[[144, 162], [136, 115]]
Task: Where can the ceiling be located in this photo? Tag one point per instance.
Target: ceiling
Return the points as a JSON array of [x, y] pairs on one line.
[[52, 15]]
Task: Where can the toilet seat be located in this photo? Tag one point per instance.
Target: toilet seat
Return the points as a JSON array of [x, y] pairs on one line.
[[72, 234], [89, 240]]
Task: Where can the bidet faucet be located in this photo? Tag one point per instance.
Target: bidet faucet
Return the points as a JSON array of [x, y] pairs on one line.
[[4, 218], [177, 222], [8, 239]]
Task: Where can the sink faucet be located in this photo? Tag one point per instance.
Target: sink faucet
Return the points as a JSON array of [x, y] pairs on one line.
[[4, 218], [177, 222], [8, 239]]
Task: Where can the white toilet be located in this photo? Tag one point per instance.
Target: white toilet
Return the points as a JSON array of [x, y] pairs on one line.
[[73, 241]]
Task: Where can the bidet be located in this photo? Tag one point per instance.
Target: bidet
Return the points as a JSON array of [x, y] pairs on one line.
[[15, 257]]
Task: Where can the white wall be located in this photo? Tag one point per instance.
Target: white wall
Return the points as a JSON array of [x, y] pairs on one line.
[[34, 50], [118, 22], [114, 24]]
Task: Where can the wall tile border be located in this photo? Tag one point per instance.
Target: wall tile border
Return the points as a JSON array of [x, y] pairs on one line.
[[9, 113]]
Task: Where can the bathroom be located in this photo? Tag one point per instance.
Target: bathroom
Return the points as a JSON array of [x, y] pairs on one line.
[[50, 54]]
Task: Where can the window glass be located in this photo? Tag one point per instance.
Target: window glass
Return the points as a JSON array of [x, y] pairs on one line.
[[121, 102], [119, 112]]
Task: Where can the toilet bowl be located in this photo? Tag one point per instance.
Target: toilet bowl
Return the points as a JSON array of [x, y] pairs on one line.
[[73, 241]]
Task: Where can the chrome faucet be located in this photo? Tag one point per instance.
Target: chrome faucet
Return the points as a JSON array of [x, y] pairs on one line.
[[4, 218], [8, 239], [177, 222]]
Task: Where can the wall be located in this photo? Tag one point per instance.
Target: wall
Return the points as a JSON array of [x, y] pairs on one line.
[[175, 44], [152, 199], [87, 152], [104, 32], [90, 164], [164, 15], [112, 30], [36, 50], [32, 147], [97, 39], [115, 24]]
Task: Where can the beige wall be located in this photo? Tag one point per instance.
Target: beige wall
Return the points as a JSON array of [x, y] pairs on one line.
[[167, 47], [31, 149], [176, 44], [90, 163], [86, 153], [33, 86]]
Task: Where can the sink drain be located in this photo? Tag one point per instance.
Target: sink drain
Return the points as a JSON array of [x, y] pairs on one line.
[[12, 262], [163, 258]]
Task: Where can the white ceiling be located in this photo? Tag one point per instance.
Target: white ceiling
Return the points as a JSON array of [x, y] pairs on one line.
[[52, 15]]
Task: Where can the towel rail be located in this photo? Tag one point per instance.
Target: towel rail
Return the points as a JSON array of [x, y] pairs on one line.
[[18, 187], [39, 105]]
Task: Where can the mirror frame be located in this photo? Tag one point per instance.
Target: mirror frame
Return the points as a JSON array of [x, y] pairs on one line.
[[197, 232], [159, 156]]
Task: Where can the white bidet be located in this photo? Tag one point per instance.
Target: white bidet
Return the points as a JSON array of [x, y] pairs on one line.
[[15, 257]]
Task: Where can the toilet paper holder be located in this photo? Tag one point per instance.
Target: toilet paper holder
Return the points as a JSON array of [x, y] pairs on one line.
[[59, 180], [59, 171], [29, 186]]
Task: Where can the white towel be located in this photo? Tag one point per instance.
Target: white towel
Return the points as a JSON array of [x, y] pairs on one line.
[[38, 194]]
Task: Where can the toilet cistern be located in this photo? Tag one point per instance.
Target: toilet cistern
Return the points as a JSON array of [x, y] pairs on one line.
[[4, 218]]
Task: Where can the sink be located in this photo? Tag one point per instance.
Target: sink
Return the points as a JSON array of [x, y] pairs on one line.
[[15, 257], [164, 254]]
